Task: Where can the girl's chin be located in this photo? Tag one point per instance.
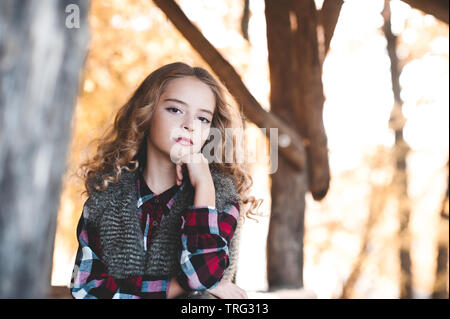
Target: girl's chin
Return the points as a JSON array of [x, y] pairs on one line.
[[177, 151]]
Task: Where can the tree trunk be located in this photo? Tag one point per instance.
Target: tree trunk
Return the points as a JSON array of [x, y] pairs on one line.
[[297, 98], [440, 287], [401, 149], [40, 61], [285, 237]]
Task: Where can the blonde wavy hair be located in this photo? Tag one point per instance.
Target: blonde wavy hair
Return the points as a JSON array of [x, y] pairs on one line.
[[123, 144]]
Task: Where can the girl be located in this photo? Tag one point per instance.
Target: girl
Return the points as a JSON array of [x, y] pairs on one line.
[[161, 221]]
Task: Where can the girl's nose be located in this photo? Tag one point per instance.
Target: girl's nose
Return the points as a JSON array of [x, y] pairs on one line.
[[189, 125]]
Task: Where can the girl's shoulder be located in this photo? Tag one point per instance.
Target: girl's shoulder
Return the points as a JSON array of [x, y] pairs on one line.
[[99, 200], [125, 180]]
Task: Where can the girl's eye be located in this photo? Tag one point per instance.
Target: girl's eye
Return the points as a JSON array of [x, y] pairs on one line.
[[173, 109], [204, 120]]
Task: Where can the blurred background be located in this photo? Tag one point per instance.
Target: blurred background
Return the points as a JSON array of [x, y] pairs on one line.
[[132, 38], [378, 225]]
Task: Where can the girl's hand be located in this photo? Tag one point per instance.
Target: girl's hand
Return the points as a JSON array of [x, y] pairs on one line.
[[198, 169], [228, 290], [175, 289], [200, 176]]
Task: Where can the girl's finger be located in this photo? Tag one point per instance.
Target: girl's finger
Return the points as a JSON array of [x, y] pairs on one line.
[[239, 293]]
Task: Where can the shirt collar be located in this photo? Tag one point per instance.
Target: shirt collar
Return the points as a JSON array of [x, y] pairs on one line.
[[145, 194]]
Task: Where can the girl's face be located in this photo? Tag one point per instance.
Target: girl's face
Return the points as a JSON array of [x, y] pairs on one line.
[[182, 118]]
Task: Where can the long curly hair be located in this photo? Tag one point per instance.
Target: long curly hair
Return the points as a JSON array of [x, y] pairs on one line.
[[123, 145]]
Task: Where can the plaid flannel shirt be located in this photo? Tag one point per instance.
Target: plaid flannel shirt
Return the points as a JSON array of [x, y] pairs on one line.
[[204, 257]]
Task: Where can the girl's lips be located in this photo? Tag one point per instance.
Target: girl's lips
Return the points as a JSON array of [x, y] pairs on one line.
[[184, 141]]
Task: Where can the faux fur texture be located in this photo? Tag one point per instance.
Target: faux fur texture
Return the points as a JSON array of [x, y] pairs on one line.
[[114, 213]]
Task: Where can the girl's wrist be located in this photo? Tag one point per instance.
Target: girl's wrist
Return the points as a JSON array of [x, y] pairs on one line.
[[204, 182], [205, 195]]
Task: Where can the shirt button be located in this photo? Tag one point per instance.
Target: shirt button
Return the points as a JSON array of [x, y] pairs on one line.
[[155, 223], [156, 200]]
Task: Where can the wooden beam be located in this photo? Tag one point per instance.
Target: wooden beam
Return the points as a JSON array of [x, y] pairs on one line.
[[294, 152], [437, 8]]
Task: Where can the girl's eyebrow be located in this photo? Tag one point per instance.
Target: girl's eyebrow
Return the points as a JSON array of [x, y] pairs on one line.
[[184, 103]]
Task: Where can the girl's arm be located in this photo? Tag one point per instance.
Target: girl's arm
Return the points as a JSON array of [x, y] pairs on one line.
[[90, 279], [206, 234]]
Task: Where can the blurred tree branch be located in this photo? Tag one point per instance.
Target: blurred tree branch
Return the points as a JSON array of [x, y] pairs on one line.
[[437, 8], [401, 149], [245, 19], [328, 17]]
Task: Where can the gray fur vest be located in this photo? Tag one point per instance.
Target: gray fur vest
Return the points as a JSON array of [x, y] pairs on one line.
[[114, 213]]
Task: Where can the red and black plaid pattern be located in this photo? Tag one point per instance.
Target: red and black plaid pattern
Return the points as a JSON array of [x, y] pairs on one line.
[[205, 238]]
